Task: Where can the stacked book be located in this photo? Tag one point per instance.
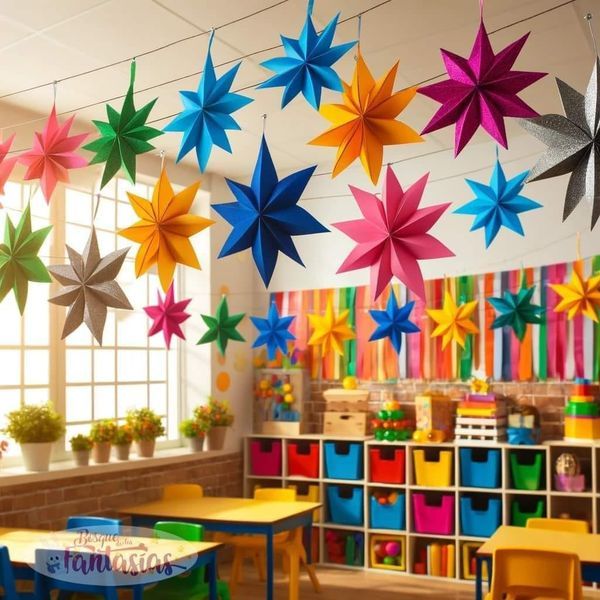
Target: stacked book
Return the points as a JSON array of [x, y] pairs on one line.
[[481, 418], [436, 559]]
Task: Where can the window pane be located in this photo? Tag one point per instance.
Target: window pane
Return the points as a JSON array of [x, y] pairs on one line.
[[132, 365], [10, 332], [36, 367], [158, 364], [79, 366], [104, 402], [36, 318], [79, 206], [104, 365], [79, 403], [132, 329], [77, 237], [131, 397], [158, 398], [12, 195], [105, 218], [108, 339], [106, 242], [10, 371], [80, 337], [9, 400], [125, 215], [37, 395]]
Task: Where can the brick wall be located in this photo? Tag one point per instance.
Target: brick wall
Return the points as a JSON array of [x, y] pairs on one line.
[[47, 504], [548, 398]]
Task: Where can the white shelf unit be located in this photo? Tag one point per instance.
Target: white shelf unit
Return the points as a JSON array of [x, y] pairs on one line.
[[581, 505]]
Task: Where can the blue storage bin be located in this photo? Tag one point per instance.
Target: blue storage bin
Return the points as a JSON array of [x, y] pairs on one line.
[[345, 505], [343, 460], [480, 517], [480, 467], [388, 516]]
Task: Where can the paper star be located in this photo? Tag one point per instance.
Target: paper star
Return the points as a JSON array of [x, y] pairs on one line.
[[516, 310], [53, 154], [498, 204], [366, 121], [168, 315], [164, 228], [573, 144], [222, 327], [393, 322], [330, 330], [206, 114], [124, 137], [392, 237], [7, 163], [266, 215], [273, 332], [306, 66], [89, 287], [580, 296], [453, 322], [19, 263], [481, 90]]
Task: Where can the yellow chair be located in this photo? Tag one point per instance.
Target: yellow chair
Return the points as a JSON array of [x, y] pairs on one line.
[[568, 525], [535, 573], [288, 544], [182, 491]]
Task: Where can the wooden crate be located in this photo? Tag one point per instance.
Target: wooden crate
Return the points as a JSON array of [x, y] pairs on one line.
[[341, 400], [282, 428], [350, 424]]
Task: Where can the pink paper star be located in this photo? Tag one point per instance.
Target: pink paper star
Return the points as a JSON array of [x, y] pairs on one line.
[[482, 90], [53, 154], [168, 315], [6, 164], [393, 236]]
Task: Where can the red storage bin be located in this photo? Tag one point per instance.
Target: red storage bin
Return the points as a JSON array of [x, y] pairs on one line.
[[387, 464], [265, 458], [303, 459]]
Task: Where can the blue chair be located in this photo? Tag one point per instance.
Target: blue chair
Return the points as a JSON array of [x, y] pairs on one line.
[[7, 578], [100, 524]]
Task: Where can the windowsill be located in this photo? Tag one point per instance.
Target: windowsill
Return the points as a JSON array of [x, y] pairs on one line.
[[67, 469]]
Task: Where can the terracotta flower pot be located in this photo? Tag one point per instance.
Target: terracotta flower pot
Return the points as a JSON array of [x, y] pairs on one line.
[[196, 443], [101, 452], [81, 457], [145, 448], [122, 451], [37, 456], [216, 438]]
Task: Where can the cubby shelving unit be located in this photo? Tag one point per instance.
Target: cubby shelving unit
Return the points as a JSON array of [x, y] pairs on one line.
[[580, 505]]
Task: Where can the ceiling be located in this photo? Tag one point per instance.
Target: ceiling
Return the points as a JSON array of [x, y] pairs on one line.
[[39, 45]]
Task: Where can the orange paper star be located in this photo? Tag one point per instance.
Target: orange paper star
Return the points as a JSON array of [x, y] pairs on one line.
[[580, 296], [366, 121], [453, 322], [330, 330], [164, 228]]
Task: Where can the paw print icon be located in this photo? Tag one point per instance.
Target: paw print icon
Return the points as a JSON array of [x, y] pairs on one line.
[[53, 564]]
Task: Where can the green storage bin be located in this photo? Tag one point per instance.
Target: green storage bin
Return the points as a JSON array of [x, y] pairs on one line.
[[526, 474], [522, 510]]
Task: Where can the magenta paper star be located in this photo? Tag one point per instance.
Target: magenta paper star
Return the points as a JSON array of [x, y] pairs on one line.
[[168, 316], [482, 90], [53, 154], [393, 237], [6, 164]]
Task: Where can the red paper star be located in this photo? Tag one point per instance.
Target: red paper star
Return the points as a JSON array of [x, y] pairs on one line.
[[53, 154], [168, 315], [6, 164]]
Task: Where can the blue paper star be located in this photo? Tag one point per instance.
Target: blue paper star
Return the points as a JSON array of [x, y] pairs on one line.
[[307, 65], [206, 113], [393, 322], [498, 204], [266, 215], [273, 332]]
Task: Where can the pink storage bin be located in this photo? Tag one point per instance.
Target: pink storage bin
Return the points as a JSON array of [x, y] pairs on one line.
[[265, 458], [431, 516]]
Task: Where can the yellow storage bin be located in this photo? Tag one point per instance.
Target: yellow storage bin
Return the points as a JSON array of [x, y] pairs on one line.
[[433, 473], [469, 549], [311, 495], [388, 552], [582, 428]]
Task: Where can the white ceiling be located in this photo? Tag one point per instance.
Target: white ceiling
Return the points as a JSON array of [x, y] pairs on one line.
[[40, 44]]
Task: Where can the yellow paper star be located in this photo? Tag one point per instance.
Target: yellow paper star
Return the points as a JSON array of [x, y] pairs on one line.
[[580, 296], [366, 121], [164, 228], [453, 322], [330, 330]]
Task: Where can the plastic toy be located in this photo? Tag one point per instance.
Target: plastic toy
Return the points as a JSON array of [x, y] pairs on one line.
[[344, 548], [434, 416], [582, 413], [568, 476], [388, 553], [391, 424], [350, 382], [523, 425], [280, 392]]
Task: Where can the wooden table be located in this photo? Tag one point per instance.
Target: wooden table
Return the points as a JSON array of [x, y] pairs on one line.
[[22, 545], [585, 545], [233, 515]]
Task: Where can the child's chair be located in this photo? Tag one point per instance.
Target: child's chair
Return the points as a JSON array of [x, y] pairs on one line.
[[7, 578], [192, 585], [567, 525], [102, 525], [533, 573], [183, 491]]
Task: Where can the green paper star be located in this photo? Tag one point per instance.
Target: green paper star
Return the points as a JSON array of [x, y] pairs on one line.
[[123, 137], [516, 310], [222, 327], [19, 263]]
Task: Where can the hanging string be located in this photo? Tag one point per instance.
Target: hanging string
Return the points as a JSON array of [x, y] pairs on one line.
[[578, 245], [481, 10], [98, 198], [210, 39], [358, 36], [264, 118], [54, 86], [589, 18], [309, 8], [162, 160]]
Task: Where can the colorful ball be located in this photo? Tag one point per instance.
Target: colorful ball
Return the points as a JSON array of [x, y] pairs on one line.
[[349, 382], [287, 387], [389, 435], [289, 398], [392, 549], [389, 560], [396, 414], [380, 550], [379, 435]]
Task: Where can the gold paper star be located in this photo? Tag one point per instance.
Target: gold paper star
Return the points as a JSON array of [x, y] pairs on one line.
[[453, 322], [330, 330], [580, 296]]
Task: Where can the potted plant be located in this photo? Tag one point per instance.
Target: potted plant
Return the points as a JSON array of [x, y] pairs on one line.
[[81, 446], [122, 441], [145, 426], [219, 416], [35, 427], [102, 434], [194, 430]]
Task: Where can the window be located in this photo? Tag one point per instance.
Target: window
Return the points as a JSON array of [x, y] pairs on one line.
[[87, 382]]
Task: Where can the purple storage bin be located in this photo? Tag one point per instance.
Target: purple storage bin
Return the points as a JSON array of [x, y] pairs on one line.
[[265, 458], [431, 516]]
